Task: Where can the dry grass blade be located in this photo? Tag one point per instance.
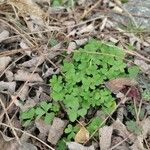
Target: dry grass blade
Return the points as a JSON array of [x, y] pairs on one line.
[[48, 146], [11, 126], [23, 36]]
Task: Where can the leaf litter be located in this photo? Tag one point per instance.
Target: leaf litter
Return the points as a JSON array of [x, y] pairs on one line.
[[31, 26]]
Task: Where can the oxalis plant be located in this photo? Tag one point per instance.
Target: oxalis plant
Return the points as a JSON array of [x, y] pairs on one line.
[[81, 84]]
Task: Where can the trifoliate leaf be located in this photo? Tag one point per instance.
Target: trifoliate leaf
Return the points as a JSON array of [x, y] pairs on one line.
[[133, 71], [72, 115], [28, 114], [82, 112], [49, 117]]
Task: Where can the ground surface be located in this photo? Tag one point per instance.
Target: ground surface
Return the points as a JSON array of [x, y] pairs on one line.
[[35, 37]]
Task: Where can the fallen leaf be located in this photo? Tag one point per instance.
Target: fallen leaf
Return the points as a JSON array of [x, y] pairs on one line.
[[33, 62], [86, 29], [50, 71], [22, 75], [77, 146], [117, 9], [81, 42], [43, 128], [3, 35], [105, 134], [9, 75], [56, 130], [121, 129], [27, 146], [27, 7], [4, 61], [72, 46], [116, 85], [24, 92], [9, 86], [143, 65], [82, 136], [7, 143]]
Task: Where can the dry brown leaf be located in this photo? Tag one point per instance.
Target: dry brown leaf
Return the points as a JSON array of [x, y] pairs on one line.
[[116, 85], [9, 86], [4, 61], [3, 35], [81, 42], [7, 143], [9, 75], [56, 130], [72, 46], [43, 128], [86, 29], [143, 65], [22, 75], [27, 7], [105, 135], [33, 62], [122, 130], [82, 136], [24, 92], [77, 146]]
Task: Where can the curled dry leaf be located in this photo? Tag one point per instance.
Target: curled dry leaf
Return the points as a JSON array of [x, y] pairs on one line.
[[9, 86], [50, 71], [24, 92], [105, 135], [116, 85], [33, 62], [82, 136], [22, 75], [56, 130], [77, 146], [4, 61]]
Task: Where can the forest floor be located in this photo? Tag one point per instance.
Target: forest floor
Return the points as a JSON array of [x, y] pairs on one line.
[[74, 74]]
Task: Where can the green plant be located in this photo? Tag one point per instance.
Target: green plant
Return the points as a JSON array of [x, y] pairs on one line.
[[71, 131], [45, 110], [95, 124], [133, 127], [61, 145], [81, 84], [146, 94]]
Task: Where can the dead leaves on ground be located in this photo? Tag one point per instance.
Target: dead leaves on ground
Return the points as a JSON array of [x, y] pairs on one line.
[[116, 85], [82, 136]]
